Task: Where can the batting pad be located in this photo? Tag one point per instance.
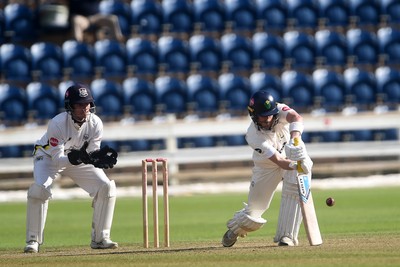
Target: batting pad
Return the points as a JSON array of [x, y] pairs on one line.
[[242, 223], [103, 211], [290, 216], [38, 199]]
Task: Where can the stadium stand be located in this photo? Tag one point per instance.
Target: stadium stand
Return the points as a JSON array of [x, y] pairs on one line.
[[241, 16], [13, 105], [364, 13], [174, 57], [334, 14], [15, 64], [268, 52], [20, 23], [265, 81], [363, 49], [47, 62], [298, 90], [271, 15], [235, 91], [139, 98], [110, 59], [389, 45], [79, 63], [171, 95], [209, 17], [142, 57], [119, 8], [331, 49], [300, 52], [109, 99], [146, 17], [388, 86], [237, 53], [177, 17], [205, 54], [303, 14], [43, 102]]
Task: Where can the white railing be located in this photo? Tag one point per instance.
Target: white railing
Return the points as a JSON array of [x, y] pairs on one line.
[[171, 129]]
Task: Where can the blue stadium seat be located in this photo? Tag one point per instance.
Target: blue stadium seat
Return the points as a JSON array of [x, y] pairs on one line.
[[108, 96], [110, 58], [390, 12], [297, 90], [142, 56], [135, 145], [2, 27], [43, 101], [121, 10], [358, 136], [330, 89], [300, 49], [190, 142], [79, 63], [364, 13], [235, 92], [47, 61], [389, 45], [264, 81], [361, 86], [334, 13], [388, 85], [177, 16], [303, 14], [268, 51], [20, 23], [362, 46], [203, 95], [241, 15], [386, 134], [209, 16], [205, 53], [13, 105], [237, 52], [171, 95], [146, 17], [331, 48], [139, 97], [272, 14], [15, 63], [173, 54]]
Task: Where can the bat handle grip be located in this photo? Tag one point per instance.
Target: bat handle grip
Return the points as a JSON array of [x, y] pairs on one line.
[[299, 168]]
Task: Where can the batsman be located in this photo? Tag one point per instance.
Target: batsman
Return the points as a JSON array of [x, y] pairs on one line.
[[71, 147], [271, 135]]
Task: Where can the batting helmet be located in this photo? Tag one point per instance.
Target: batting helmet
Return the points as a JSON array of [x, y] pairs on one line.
[[263, 104]]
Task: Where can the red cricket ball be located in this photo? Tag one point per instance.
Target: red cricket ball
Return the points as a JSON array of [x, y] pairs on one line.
[[330, 201]]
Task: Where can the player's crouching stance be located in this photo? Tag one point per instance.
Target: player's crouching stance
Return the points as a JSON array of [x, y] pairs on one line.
[[71, 146], [270, 135]]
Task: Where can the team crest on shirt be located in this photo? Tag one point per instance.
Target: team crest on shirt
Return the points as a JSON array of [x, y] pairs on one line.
[[83, 92], [53, 141]]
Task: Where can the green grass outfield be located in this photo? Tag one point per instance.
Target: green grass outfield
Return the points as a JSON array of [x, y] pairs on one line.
[[362, 229]]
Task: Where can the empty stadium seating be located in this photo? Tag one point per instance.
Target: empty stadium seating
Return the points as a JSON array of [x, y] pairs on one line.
[[237, 52], [334, 14], [205, 53], [15, 63], [43, 101], [139, 97], [388, 85], [241, 15], [362, 46], [13, 105], [47, 61], [203, 95], [303, 14], [235, 91], [121, 10], [331, 48], [209, 16], [272, 15], [110, 58], [389, 45], [20, 23], [264, 81], [173, 54], [361, 85], [300, 49], [268, 51], [142, 56], [109, 99], [171, 95], [298, 90], [177, 16], [79, 62], [146, 17]]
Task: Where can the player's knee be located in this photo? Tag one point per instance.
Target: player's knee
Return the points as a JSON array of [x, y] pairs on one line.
[[107, 190], [39, 192], [243, 223]]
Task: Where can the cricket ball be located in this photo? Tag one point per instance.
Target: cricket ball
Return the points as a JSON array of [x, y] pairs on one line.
[[330, 201]]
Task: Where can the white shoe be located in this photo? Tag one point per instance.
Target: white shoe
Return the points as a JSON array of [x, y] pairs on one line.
[[286, 241], [104, 244], [31, 247], [229, 238]]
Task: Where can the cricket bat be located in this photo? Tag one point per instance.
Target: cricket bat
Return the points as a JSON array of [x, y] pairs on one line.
[[307, 205]]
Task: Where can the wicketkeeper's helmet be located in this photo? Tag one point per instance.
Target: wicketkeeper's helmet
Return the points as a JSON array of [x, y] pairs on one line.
[[78, 93]]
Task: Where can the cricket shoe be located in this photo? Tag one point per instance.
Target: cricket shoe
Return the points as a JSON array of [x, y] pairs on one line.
[[229, 238], [286, 242], [31, 247], [104, 244]]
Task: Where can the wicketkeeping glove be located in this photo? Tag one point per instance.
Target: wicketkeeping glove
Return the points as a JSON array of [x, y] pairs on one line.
[[77, 157], [104, 158]]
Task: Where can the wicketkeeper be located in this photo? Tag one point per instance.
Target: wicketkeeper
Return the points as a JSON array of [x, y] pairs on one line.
[[71, 147], [270, 134]]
